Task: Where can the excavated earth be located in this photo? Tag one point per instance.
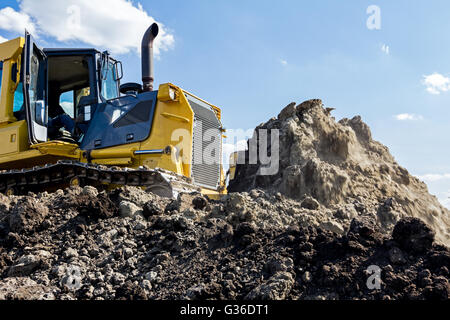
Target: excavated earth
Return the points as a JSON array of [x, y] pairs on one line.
[[340, 220]]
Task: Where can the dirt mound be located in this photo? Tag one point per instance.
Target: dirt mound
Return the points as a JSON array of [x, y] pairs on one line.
[[340, 166], [248, 246], [340, 220]]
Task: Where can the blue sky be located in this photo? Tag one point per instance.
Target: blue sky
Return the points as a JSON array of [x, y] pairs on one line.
[[252, 58]]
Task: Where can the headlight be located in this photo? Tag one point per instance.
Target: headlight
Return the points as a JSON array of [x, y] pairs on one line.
[[172, 93], [167, 93]]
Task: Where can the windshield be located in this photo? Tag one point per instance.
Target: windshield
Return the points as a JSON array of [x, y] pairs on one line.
[[110, 88]]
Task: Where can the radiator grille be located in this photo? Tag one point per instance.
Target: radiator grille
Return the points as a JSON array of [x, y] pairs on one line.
[[205, 173]]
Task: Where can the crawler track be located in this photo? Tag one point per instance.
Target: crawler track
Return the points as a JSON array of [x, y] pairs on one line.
[[66, 172]]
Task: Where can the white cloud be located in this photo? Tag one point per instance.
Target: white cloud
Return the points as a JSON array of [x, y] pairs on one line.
[[12, 20], [3, 39], [385, 48], [408, 116], [436, 83], [115, 25], [432, 177], [283, 62]]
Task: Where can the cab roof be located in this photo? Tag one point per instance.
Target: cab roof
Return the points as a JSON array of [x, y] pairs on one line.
[[70, 50]]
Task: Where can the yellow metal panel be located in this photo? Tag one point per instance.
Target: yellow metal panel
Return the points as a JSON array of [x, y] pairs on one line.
[[122, 155], [172, 126], [23, 159], [123, 151], [58, 148], [10, 54], [175, 117], [11, 49], [213, 194], [13, 138], [114, 161]]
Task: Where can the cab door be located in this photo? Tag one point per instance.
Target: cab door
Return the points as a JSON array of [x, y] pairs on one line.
[[35, 90]]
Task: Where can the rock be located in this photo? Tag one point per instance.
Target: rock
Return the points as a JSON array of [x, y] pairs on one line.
[[98, 207], [413, 235], [25, 289], [70, 253], [150, 209], [132, 194], [118, 278], [440, 290], [236, 202], [127, 252], [362, 227], [310, 203], [199, 203], [26, 215], [332, 226], [151, 276], [281, 264], [386, 213], [288, 112], [245, 228], [24, 266], [140, 225], [130, 291], [396, 256], [147, 285], [276, 288], [128, 209], [90, 191], [347, 212], [306, 277]]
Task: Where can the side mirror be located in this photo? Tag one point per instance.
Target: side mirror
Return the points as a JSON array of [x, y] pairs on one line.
[[39, 112], [118, 73]]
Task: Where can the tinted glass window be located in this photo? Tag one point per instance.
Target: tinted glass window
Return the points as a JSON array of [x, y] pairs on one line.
[[109, 84], [66, 102], [18, 98]]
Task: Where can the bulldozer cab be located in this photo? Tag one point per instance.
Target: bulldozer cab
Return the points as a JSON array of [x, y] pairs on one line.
[[62, 89]]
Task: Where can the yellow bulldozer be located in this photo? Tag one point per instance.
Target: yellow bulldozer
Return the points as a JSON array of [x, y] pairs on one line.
[[65, 119]]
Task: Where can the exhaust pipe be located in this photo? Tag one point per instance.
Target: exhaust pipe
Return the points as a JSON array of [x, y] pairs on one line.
[[147, 57]]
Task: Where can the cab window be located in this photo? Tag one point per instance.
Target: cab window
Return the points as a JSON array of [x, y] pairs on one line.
[[18, 98], [66, 102], [110, 88]]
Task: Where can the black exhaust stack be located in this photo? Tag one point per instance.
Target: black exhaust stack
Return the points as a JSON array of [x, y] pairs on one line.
[[147, 56]]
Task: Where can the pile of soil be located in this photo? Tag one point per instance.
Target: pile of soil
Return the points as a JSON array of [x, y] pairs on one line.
[[341, 167], [340, 220]]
